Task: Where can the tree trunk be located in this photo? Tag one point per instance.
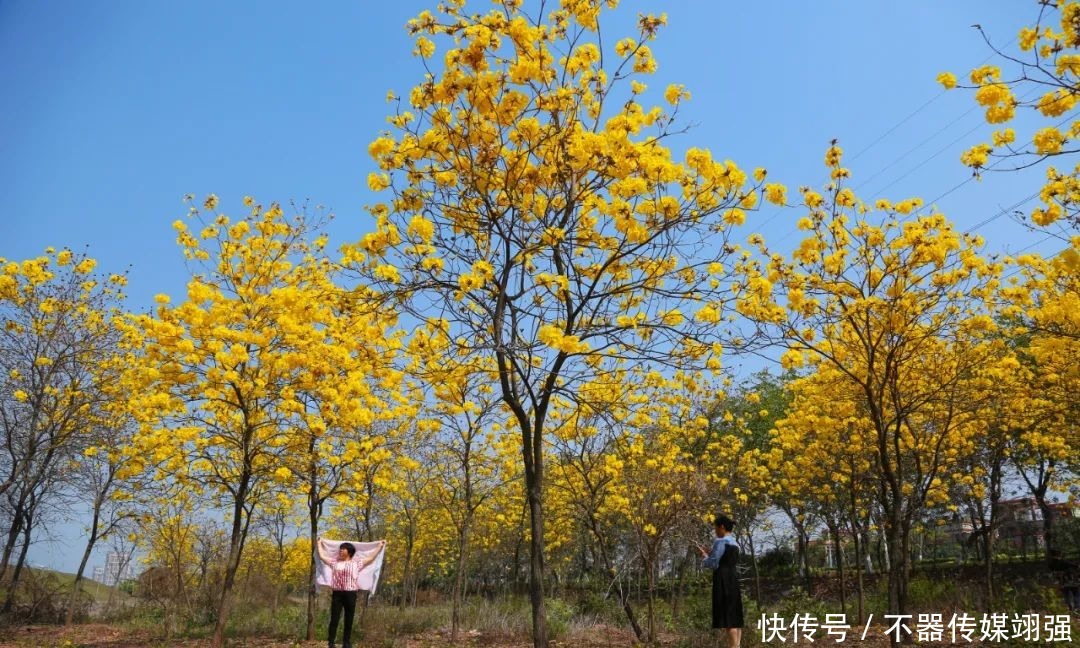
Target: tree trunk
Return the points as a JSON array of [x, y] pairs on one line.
[[650, 580], [225, 601], [631, 617], [991, 529], [1048, 528], [516, 576], [532, 446], [459, 578], [886, 561], [988, 572], [240, 522], [867, 546], [678, 581], [69, 616], [860, 550], [857, 535], [859, 571], [834, 528], [754, 563], [17, 521], [536, 559], [804, 563], [899, 572], [28, 527], [406, 569], [801, 541]]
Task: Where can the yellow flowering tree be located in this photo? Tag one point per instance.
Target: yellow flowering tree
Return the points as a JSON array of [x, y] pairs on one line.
[[55, 341], [633, 467], [792, 490], [1041, 304], [271, 554], [820, 457], [467, 457], [741, 422], [1009, 405], [585, 471], [223, 394], [342, 396], [409, 520], [167, 531], [1044, 76], [656, 489], [499, 538], [274, 560], [1047, 453], [97, 469], [893, 302], [334, 464], [534, 205]]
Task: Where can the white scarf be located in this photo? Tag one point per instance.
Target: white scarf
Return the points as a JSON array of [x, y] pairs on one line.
[[369, 575]]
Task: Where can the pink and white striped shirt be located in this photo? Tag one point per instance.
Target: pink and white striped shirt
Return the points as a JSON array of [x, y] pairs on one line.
[[346, 574]]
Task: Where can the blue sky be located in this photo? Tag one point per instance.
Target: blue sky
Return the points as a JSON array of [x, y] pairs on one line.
[[115, 110]]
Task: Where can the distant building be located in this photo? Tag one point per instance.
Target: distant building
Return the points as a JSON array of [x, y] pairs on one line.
[[1065, 509], [118, 568], [1021, 526]]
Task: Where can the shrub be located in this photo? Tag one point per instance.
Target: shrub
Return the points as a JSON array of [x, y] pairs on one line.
[[777, 562], [797, 601], [927, 594], [560, 615]]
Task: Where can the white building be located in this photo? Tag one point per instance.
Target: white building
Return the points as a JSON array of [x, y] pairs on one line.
[[118, 568]]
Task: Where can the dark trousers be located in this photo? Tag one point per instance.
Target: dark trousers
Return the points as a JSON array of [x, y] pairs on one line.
[[339, 601]]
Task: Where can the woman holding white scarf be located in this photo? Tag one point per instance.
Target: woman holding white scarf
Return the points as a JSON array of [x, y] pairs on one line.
[[345, 584]]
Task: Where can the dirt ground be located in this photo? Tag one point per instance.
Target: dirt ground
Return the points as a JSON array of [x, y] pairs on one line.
[[107, 636]]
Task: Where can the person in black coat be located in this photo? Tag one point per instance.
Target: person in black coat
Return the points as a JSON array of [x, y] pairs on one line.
[[727, 608]]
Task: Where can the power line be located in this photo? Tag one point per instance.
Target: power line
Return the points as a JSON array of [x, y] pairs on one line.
[[1020, 269], [957, 186], [1005, 210], [892, 129], [918, 110], [918, 146], [922, 107], [898, 125], [941, 130], [939, 152], [1040, 241], [928, 139]]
